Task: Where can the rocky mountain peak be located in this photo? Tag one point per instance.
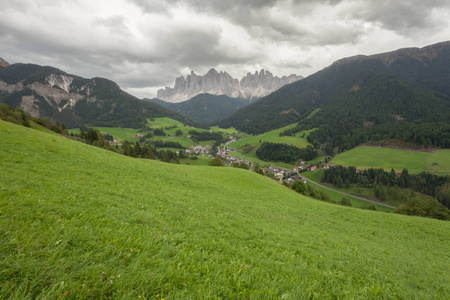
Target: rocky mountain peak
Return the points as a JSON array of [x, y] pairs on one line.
[[3, 63], [250, 86]]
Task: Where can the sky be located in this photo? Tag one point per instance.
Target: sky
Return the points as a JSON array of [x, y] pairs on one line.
[[143, 45]]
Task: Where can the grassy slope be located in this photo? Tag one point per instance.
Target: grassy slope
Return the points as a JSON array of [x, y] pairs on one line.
[[78, 222], [273, 137], [366, 157]]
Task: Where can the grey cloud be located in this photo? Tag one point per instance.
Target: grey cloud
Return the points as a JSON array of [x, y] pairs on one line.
[[115, 24], [161, 39], [404, 17]]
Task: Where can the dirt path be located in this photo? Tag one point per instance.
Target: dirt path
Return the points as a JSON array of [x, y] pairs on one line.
[[364, 199]]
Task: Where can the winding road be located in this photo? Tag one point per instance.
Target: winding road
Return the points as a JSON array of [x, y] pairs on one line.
[[364, 199]]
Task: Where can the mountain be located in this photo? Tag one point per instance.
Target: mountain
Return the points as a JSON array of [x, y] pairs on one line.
[[401, 87], [206, 108], [251, 86], [73, 100]]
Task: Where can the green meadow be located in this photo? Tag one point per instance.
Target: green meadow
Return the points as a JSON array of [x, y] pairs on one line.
[[299, 140], [442, 158], [121, 134], [273, 137], [229, 131], [79, 222], [373, 157]]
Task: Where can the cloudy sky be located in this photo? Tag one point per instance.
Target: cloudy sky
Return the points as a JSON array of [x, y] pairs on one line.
[[144, 45]]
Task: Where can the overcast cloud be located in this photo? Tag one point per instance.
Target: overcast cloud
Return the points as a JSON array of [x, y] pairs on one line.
[[144, 45]]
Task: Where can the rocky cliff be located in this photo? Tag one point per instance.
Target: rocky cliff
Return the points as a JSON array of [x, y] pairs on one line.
[[251, 86]]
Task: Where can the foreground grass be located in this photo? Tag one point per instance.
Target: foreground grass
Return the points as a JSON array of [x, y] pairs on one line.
[[80, 222]]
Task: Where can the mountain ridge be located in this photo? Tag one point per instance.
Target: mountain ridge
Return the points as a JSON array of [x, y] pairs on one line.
[[205, 108], [221, 83], [49, 92], [419, 74]]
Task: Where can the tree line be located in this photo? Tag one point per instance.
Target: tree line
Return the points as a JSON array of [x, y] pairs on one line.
[[425, 183], [197, 136], [284, 153]]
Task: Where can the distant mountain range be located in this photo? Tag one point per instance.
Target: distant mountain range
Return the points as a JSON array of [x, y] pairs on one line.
[[405, 85], [255, 85], [73, 100], [206, 108]]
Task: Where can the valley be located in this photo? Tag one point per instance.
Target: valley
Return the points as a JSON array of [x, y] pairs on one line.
[[333, 186], [241, 149], [71, 225]]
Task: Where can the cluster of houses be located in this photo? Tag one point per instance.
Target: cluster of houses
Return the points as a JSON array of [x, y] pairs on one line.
[[223, 152], [288, 175], [199, 150]]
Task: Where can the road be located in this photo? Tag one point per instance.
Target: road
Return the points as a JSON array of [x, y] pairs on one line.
[[364, 199]]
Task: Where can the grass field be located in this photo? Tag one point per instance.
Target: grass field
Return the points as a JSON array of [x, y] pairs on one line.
[[273, 137], [228, 131], [442, 157], [374, 157], [79, 222]]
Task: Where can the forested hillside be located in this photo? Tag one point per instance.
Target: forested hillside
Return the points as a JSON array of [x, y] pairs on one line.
[[206, 108], [402, 94]]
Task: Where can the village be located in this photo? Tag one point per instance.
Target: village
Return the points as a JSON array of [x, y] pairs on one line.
[[275, 172]]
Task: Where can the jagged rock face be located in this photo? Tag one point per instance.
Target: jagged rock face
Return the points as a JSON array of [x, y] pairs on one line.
[[251, 86], [3, 63], [56, 92]]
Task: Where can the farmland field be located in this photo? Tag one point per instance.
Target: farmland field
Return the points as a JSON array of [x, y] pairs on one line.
[[80, 222], [373, 157]]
